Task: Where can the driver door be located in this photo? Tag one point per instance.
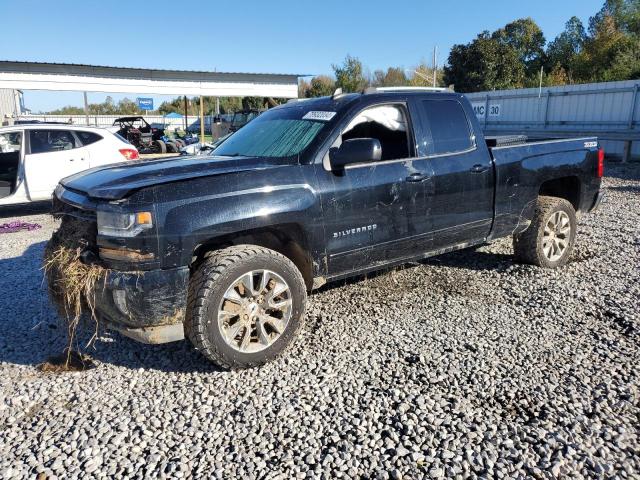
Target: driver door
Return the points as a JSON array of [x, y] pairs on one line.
[[374, 212]]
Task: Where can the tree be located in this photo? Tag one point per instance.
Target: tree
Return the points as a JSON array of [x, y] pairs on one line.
[[349, 75], [423, 76], [607, 46], [320, 86], [393, 77], [526, 38], [484, 64], [563, 50], [625, 13]]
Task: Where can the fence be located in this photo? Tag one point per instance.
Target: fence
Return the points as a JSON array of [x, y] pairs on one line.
[[610, 111], [170, 124]]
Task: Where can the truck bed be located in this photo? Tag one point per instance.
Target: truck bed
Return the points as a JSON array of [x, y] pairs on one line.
[[522, 166]]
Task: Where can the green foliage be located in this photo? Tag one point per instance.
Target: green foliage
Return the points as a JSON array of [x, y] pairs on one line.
[[526, 38], [349, 75], [608, 50], [422, 76], [320, 86], [487, 63], [125, 106], [393, 77], [563, 50]]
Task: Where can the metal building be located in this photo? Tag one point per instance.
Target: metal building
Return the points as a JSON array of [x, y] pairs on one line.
[[609, 110], [11, 105]]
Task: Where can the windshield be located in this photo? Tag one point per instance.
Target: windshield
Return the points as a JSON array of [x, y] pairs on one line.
[[277, 133]]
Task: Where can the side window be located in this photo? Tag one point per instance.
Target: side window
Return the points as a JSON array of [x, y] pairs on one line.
[[45, 141], [10, 142], [87, 138], [449, 126], [387, 123]]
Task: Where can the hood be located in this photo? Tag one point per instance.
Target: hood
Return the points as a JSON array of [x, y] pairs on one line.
[[116, 181]]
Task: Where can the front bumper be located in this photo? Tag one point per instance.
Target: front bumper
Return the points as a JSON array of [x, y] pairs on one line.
[[139, 303]]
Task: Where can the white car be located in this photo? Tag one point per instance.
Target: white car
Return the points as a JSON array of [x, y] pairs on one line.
[[35, 157]]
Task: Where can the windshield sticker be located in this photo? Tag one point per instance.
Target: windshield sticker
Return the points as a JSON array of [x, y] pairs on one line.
[[318, 115]]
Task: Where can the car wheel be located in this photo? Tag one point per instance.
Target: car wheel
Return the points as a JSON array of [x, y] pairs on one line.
[[172, 147], [159, 146], [549, 240], [245, 306]]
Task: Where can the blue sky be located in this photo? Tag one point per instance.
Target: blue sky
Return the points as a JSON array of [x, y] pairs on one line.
[[281, 36]]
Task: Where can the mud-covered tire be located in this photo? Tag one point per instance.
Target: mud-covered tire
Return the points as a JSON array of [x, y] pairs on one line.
[[529, 246], [207, 288]]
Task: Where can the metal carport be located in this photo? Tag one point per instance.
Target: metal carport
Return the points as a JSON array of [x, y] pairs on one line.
[[93, 78]]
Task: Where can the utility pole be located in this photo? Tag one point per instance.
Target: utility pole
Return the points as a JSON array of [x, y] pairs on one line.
[[435, 64], [201, 120], [86, 108], [540, 89], [186, 111]]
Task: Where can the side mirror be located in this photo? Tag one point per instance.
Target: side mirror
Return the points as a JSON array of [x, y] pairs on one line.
[[355, 150]]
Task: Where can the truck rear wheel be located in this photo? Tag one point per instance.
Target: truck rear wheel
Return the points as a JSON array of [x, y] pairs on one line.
[[245, 306], [549, 240]]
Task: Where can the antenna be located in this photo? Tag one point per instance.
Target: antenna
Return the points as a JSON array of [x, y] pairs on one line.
[[337, 93], [435, 64]]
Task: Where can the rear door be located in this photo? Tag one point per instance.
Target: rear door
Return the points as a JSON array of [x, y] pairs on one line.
[[98, 151], [460, 203], [51, 156]]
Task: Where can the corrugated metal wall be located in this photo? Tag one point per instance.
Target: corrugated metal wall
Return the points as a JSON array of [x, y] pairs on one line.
[[7, 104], [610, 110]]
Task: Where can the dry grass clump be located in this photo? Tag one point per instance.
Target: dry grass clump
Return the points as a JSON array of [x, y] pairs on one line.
[[72, 283]]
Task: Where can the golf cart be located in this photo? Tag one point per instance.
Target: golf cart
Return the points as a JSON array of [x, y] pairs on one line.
[[146, 138]]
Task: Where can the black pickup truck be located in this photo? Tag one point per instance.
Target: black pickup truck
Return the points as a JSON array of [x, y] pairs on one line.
[[223, 249]]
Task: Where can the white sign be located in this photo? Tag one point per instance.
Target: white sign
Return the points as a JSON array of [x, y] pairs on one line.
[[479, 109], [319, 115]]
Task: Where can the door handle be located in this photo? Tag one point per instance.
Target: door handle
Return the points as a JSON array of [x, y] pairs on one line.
[[479, 168], [417, 177]]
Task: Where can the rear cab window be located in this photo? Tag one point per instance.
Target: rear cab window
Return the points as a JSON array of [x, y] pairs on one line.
[[446, 127]]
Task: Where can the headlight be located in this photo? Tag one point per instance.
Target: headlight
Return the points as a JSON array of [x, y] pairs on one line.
[[123, 224]]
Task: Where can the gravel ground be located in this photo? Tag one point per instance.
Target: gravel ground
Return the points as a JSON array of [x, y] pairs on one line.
[[464, 365]]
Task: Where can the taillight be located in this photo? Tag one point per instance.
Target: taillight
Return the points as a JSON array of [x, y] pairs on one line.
[[600, 169], [130, 153]]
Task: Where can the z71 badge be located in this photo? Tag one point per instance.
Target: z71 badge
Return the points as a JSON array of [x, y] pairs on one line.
[[355, 231]]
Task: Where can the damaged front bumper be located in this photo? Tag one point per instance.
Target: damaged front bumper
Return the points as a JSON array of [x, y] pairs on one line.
[[148, 306]]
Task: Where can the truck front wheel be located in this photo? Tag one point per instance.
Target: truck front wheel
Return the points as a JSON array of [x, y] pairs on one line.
[[245, 306], [549, 240]]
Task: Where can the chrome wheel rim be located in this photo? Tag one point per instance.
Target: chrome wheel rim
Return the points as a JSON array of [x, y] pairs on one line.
[[254, 311], [557, 233]]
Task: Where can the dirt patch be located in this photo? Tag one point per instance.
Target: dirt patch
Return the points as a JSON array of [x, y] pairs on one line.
[[68, 361]]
